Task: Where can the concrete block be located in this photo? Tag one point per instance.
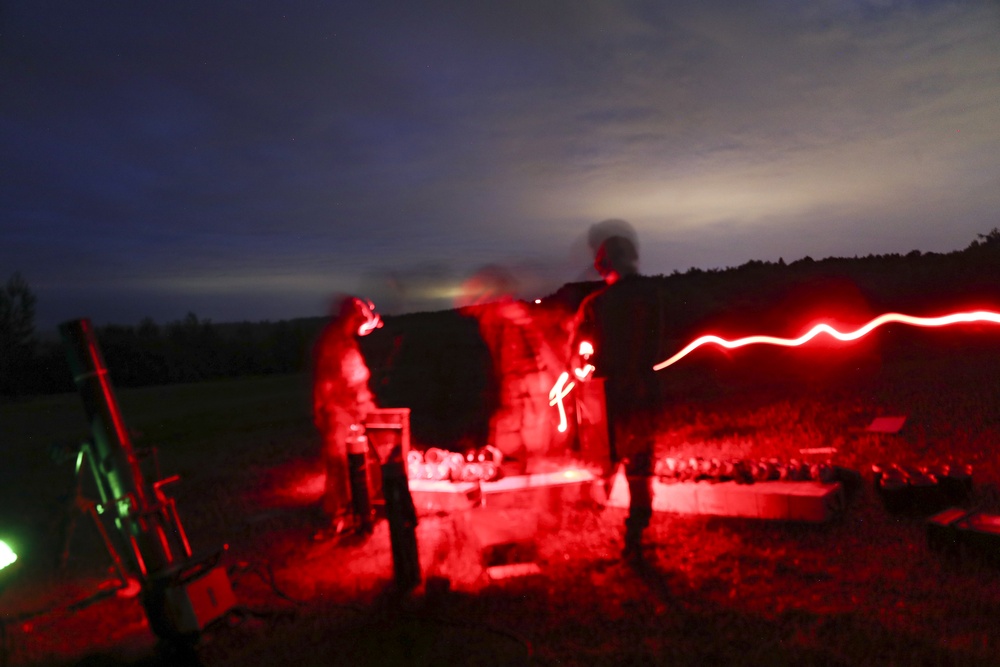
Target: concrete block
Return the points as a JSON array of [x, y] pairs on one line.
[[430, 497], [538, 491], [785, 501]]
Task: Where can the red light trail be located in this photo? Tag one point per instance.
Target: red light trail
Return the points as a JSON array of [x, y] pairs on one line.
[[559, 391], [954, 318]]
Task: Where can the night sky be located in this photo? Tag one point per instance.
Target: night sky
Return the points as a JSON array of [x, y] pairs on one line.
[[245, 160]]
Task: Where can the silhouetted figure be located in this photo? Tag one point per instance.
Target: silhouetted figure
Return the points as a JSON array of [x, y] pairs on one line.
[[341, 401], [623, 321]]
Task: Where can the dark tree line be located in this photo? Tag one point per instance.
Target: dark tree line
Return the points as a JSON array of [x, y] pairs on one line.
[[775, 296], [17, 333], [437, 360], [188, 350]]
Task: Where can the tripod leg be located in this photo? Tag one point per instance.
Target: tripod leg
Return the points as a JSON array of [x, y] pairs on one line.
[[116, 559], [67, 526]]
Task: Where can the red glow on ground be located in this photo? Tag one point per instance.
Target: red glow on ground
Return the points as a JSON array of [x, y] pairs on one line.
[[954, 318], [308, 487], [297, 484]]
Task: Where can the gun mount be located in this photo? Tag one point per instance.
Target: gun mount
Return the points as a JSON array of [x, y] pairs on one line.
[[181, 593]]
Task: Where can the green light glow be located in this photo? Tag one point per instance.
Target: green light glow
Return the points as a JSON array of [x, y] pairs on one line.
[[7, 555]]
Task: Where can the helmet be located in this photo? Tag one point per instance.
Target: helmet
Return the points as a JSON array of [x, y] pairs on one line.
[[360, 314], [616, 254]]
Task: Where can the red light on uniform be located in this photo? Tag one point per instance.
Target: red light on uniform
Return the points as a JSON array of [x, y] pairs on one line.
[[586, 351], [559, 391]]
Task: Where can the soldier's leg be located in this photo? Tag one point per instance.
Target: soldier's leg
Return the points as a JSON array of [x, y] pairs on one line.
[[638, 472], [336, 494]]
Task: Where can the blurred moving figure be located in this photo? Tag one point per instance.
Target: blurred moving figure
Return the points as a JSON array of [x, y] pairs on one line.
[[341, 401], [523, 366], [623, 322]]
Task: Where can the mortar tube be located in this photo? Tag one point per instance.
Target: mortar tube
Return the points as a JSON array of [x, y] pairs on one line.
[[117, 471], [357, 466]]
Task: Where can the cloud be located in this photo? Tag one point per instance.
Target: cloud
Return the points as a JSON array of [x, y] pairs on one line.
[[206, 147]]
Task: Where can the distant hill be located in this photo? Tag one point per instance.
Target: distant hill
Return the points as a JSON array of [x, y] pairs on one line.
[[436, 363]]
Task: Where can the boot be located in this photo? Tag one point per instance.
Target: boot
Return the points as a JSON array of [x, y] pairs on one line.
[[632, 550]]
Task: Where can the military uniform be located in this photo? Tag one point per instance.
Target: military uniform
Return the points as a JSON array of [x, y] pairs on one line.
[[623, 321], [341, 399]]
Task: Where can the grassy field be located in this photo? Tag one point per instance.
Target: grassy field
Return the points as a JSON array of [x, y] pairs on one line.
[[863, 589]]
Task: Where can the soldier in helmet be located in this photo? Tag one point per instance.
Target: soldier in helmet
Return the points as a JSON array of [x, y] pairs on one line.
[[341, 401], [623, 322]]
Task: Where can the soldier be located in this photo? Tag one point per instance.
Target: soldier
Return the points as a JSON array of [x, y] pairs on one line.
[[623, 321], [341, 401], [521, 362]]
